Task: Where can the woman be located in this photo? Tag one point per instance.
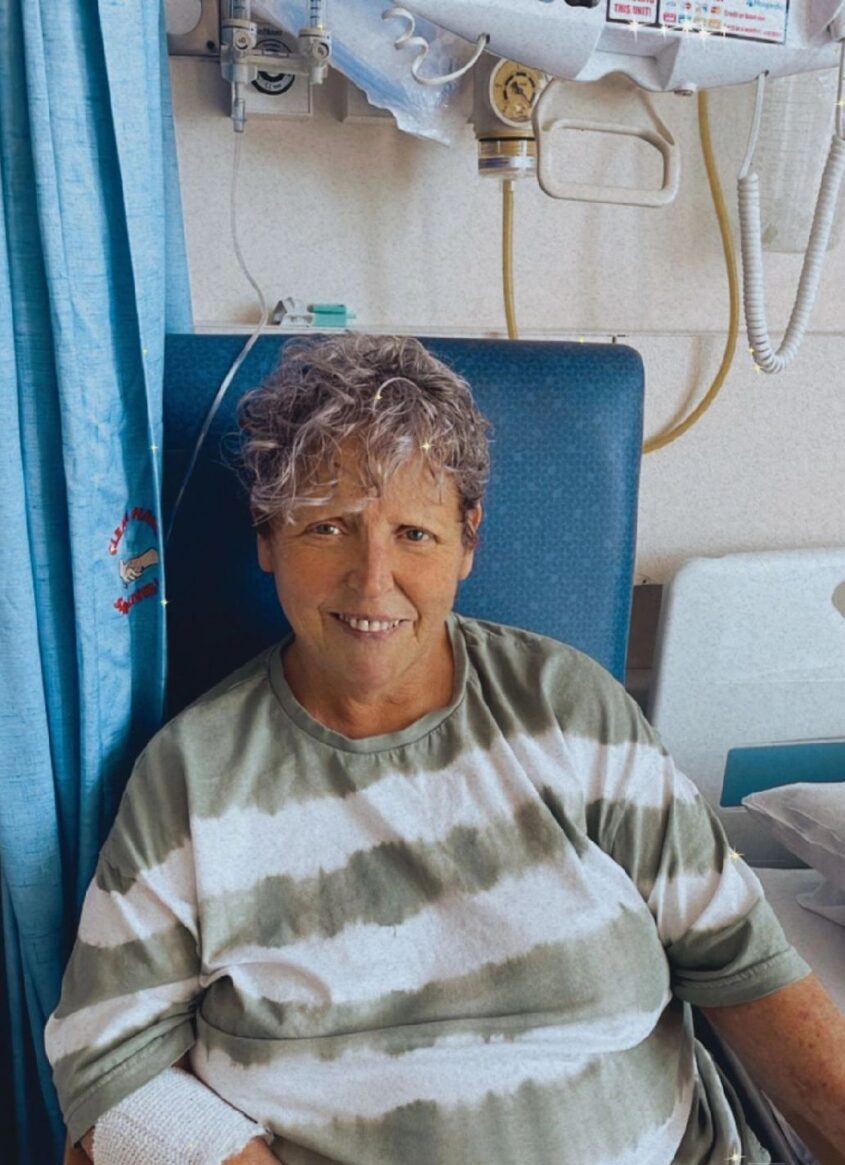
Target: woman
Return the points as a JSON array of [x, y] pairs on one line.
[[410, 888]]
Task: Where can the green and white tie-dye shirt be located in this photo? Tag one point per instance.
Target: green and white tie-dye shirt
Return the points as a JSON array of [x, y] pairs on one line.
[[470, 942]]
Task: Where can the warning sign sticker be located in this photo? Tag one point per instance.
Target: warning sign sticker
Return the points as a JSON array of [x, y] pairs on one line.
[[643, 11], [763, 20]]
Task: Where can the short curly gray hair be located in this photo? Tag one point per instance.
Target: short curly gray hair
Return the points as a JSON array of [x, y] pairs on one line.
[[390, 392]]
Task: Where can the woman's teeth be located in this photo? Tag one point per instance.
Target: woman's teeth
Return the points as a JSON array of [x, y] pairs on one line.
[[366, 625]]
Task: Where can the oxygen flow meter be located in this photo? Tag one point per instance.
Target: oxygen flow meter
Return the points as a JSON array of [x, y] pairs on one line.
[[505, 95]]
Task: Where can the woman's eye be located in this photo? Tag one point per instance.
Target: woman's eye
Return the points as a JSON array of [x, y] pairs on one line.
[[413, 534]]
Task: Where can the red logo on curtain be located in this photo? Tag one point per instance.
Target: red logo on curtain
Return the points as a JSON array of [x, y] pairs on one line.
[[138, 526]]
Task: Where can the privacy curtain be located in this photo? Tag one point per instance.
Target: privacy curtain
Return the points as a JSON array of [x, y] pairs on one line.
[[92, 274]]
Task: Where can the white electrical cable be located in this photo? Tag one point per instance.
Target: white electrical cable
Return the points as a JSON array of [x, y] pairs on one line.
[[408, 38], [755, 126], [840, 90], [752, 259], [230, 375]]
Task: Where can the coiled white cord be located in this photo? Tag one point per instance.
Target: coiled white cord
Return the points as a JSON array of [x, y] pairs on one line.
[[408, 38], [752, 259]]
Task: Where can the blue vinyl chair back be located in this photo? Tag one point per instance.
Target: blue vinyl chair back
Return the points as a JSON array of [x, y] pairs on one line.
[[558, 536]]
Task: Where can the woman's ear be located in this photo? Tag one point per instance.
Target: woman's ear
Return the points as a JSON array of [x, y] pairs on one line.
[[265, 549], [475, 515]]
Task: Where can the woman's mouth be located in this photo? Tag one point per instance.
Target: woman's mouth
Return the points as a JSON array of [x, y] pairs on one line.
[[364, 629]]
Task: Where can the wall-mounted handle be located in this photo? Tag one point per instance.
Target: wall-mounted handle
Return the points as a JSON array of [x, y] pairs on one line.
[[548, 121]]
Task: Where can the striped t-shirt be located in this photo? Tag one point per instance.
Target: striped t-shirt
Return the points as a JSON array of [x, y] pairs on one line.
[[473, 941]]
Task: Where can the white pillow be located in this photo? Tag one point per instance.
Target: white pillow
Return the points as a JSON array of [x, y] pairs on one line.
[[809, 819]]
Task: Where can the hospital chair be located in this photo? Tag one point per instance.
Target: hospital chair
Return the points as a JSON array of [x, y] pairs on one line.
[[558, 537], [557, 540]]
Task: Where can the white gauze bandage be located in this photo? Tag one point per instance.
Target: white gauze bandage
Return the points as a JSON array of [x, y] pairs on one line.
[[175, 1119]]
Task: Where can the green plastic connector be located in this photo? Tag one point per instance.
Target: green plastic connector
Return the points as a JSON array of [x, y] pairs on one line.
[[330, 315]]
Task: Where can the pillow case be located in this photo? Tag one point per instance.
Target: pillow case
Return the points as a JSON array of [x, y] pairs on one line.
[[809, 819]]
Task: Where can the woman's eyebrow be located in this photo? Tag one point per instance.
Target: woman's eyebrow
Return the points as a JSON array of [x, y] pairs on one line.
[[436, 524], [353, 514]]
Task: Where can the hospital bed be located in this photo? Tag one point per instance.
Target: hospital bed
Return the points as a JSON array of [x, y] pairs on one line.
[[556, 556], [749, 698]]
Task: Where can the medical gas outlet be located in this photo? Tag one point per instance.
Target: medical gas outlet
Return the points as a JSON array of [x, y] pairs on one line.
[[242, 62], [506, 93]]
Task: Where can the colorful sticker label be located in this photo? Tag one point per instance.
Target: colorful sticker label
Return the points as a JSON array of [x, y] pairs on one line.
[[134, 544], [763, 20]]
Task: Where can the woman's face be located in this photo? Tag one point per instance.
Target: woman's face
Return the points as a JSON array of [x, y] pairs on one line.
[[399, 557]]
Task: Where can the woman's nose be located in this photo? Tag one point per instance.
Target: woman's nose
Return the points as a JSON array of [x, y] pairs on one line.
[[371, 571]]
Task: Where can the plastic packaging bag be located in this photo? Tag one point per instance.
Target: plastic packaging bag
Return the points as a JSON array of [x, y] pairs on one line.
[[791, 153], [363, 49]]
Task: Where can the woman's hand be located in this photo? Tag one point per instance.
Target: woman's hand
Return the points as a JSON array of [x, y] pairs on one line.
[[74, 1156], [254, 1153]]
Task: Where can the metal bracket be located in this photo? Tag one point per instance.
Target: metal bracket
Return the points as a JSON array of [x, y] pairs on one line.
[[203, 40]]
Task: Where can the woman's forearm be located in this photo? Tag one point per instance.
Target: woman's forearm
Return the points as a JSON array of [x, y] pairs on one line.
[[87, 1142]]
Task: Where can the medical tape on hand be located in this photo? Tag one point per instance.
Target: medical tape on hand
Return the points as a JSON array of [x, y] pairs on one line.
[[174, 1119]]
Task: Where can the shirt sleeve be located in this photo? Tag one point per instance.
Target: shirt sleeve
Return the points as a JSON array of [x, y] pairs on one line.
[[132, 983], [722, 939]]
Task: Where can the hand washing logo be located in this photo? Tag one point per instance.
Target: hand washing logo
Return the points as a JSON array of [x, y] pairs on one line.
[[140, 528]]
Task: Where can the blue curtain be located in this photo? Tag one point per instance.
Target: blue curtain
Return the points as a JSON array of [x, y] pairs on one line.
[[92, 274]]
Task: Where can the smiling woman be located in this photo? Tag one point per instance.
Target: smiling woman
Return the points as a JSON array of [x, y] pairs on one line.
[[367, 602], [410, 888]]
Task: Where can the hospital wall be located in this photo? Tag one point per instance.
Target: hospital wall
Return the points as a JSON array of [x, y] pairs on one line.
[[406, 233]]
